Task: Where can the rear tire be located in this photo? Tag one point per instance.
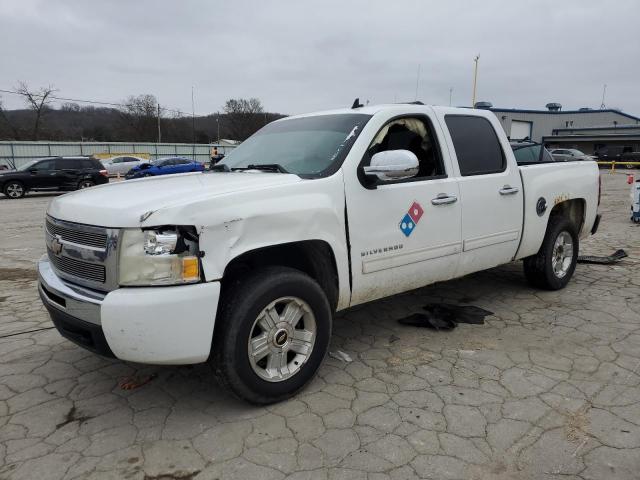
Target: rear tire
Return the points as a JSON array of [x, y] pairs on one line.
[[272, 333], [85, 184], [553, 266], [14, 189]]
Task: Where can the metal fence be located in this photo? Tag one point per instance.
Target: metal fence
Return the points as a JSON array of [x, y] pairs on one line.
[[18, 153]]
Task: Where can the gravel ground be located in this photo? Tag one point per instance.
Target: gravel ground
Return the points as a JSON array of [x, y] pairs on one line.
[[547, 388]]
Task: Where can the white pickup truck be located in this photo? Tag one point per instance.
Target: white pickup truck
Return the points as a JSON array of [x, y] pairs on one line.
[[244, 266]]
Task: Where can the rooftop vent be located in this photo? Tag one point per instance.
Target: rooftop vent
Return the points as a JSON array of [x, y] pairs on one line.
[[554, 107], [483, 105]]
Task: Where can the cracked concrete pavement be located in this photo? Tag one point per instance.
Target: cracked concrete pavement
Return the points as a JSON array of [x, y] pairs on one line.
[[548, 388]]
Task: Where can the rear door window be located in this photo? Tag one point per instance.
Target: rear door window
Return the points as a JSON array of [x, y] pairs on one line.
[[476, 144], [67, 164]]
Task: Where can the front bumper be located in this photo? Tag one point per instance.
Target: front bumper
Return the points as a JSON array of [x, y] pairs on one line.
[[160, 325]]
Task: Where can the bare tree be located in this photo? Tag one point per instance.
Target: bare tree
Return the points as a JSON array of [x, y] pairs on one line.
[[14, 132], [38, 101], [243, 117], [70, 107], [140, 115]]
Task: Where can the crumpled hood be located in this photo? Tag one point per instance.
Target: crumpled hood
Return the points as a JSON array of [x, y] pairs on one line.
[[122, 204]]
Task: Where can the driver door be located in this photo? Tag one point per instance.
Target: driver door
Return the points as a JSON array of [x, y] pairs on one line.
[[43, 175], [404, 234]]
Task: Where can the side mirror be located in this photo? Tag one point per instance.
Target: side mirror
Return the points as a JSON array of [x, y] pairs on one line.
[[393, 165]]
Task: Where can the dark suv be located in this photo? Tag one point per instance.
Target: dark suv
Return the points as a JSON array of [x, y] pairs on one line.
[[55, 173]]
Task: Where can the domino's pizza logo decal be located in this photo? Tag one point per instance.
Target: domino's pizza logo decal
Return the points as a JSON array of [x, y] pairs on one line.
[[411, 218]]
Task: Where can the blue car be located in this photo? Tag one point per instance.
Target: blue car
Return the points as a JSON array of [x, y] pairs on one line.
[[165, 166]]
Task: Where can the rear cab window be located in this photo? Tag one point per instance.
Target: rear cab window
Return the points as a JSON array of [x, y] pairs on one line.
[[476, 145]]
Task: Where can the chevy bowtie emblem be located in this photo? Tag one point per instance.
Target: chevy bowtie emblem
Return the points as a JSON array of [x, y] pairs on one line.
[[56, 245]]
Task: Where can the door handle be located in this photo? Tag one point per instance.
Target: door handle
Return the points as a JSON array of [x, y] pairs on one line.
[[444, 199], [508, 190]]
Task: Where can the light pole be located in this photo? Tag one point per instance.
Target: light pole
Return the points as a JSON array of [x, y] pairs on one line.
[[475, 81], [159, 132], [193, 117], [218, 125]]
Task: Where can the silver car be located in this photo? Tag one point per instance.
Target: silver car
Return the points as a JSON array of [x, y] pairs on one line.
[[569, 154], [122, 164]]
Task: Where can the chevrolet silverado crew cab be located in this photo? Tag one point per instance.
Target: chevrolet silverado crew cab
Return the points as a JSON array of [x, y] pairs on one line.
[[244, 266]]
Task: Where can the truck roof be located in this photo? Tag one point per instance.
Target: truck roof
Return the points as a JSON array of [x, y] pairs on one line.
[[373, 109]]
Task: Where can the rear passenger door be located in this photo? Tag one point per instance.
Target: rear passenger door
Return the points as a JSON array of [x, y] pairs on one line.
[[126, 164], [183, 166], [68, 173], [490, 192]]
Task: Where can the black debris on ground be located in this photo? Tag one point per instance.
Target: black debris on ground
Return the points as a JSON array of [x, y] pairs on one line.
[[442, 316], [613, 258]]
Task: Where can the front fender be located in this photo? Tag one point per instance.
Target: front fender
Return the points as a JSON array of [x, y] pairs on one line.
[[233, 224]]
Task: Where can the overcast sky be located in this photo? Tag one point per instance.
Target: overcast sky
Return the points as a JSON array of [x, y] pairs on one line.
[[305, 55]]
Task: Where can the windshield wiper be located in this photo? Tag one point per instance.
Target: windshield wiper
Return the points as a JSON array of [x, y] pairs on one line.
[[220, 167], [267, 167]]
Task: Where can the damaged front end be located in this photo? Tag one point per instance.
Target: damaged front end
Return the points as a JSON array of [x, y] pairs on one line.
[[166, 255]]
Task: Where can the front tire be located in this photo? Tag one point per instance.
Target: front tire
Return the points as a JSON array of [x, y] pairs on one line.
[[272, 333], [553, 266], [14, 189]]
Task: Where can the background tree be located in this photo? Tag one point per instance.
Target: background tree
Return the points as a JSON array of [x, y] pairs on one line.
[[243, 117], [38, 101], [140, 118], [8, 130], [70, 107]]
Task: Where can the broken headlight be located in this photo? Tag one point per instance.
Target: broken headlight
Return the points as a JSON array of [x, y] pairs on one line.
[[159, 256]]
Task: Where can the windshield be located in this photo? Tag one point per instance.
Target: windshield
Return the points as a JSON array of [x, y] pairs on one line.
[[308, 146]]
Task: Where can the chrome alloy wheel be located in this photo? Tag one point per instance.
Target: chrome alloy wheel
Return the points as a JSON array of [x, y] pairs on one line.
[[562, 255], [15, 190], [86, 184], [282, 339]]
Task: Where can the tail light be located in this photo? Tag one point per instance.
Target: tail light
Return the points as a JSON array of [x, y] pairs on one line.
[[104, 173], [599, 187]]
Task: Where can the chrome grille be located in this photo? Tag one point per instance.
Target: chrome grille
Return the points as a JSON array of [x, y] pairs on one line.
[[78, 268], [84, 255], [90, 239]]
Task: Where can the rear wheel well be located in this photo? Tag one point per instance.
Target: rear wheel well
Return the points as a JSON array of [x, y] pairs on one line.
[[313, 257], [573, 210]]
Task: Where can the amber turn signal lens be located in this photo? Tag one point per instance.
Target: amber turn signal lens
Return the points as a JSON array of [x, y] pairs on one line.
[[190, 270]]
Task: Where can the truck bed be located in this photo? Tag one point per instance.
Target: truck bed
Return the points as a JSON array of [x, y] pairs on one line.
[[555, 182]]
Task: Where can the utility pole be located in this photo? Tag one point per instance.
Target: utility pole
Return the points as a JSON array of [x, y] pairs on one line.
[[159, 132], [218, 125], [475, 80], [450, 94], [417, 82], [193, 117]]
